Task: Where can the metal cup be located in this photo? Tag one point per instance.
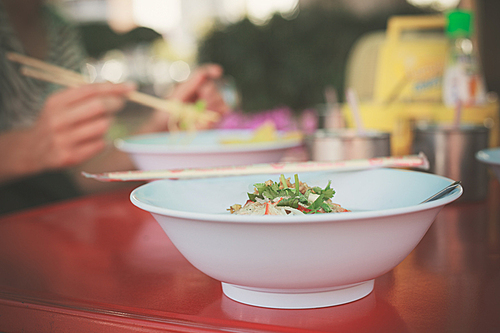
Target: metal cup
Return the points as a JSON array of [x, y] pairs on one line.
[[451, 153], [347, 144]]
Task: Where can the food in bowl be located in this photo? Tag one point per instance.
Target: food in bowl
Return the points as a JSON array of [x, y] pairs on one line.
[[298, 261], [287, 198], [203, 149], [266, 132]]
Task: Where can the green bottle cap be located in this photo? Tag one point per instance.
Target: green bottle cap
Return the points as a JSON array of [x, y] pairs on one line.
[[459, 23]]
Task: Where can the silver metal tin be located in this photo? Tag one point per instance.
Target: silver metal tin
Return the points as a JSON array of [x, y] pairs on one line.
[[451, 153], [347, 144]]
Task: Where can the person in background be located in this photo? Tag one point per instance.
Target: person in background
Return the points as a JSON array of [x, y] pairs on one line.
[[49, 133]]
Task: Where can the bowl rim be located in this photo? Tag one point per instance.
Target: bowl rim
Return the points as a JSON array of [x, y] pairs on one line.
[[484, 154], [314, 218], [125, 145]]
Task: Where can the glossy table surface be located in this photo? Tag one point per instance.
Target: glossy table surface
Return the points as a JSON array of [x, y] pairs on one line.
[[99, 264]]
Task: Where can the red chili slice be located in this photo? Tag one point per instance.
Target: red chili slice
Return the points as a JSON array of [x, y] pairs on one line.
[[303, 209], [267, 209]]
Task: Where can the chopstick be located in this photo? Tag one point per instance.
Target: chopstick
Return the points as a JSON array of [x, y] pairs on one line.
[[44, 66], [411, 161], [50, 77], [179, 111]]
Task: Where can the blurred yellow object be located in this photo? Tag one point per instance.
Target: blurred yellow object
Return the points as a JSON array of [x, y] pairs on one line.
[[266, 132], [411, 60], [406, 85], [399, 119]]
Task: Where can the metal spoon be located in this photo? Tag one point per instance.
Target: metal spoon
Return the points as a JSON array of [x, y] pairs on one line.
[[443, 192]]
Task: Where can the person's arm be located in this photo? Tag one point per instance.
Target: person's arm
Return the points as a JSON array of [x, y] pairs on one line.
[[70, 129], [17, 158], [200, 86]]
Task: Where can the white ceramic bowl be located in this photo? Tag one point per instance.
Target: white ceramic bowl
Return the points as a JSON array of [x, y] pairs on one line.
[[305, 261], [490, 157], [202, 149]]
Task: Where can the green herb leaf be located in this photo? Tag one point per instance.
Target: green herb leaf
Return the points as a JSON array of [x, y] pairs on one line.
[[290, 202], [326, 207], [283, 181], [317, 203], [252, 196], [297, 184]]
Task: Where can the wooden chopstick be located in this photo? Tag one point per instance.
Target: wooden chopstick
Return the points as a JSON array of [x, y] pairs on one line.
[[41, 70], [50, 77], [43, 66], [419, 161]]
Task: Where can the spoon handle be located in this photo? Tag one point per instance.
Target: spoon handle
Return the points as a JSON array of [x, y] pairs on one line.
[[443, 192]]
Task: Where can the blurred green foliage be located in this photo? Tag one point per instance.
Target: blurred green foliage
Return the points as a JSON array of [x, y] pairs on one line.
[[289, 62], [98, 38]]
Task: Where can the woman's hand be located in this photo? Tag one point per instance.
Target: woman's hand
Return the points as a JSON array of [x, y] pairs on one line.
[[71, 128], [200, 86]]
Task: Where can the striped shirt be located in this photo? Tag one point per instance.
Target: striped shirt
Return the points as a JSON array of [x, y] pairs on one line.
[[22, 98]]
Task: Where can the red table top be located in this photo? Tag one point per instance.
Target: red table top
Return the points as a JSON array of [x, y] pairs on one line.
[[98, 263]]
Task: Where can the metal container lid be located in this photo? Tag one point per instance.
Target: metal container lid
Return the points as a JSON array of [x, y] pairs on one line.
[[446, 128], [344, 144], [347, 133]]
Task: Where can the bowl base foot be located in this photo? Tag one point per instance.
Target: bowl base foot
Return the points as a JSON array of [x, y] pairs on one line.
[[303, 300]]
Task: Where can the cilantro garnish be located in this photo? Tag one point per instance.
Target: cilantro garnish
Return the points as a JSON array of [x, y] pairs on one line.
[[292, 196]]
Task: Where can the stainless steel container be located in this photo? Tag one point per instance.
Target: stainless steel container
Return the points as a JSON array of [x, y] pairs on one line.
[[347, 144], [451, 153]]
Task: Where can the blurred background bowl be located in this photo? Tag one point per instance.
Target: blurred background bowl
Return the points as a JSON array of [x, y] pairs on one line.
[[302, 261], [210, 148], [490, 157]]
